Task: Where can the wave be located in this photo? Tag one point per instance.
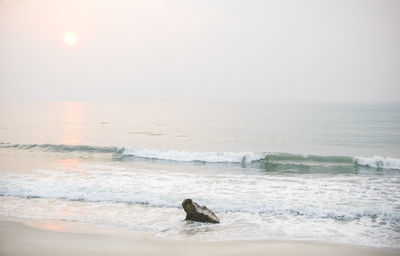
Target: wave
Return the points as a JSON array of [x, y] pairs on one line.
[[308, 158], [185, 156], [61, 148], [377, 162]]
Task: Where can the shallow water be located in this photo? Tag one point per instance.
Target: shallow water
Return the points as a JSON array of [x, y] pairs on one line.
[[325, 172]]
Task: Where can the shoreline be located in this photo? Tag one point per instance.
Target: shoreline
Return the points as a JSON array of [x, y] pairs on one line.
[[20, 236]]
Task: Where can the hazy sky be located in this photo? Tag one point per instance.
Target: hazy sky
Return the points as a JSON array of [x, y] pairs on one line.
[[200, 50]]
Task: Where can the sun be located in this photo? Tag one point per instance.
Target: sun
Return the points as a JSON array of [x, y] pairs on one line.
[[70, 38]]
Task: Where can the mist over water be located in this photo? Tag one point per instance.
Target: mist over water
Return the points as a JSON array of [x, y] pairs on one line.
[[200, 50], [297, 128]]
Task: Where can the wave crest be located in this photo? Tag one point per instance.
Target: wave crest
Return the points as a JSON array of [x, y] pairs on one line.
[[217, 157], [378, 162], [185, 156]]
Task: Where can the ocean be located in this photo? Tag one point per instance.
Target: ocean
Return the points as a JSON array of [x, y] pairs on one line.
[[326, 172]]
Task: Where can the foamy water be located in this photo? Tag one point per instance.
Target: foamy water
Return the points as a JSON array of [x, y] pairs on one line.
[[271, 177]]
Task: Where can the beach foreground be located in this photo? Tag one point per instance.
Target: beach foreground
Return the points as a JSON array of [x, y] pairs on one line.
[[42, 237]]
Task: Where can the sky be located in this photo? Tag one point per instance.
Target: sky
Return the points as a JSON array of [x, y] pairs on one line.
[[250, 50]]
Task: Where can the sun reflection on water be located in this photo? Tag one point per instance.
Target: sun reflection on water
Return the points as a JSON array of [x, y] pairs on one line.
[[70, 163], [73, 123]]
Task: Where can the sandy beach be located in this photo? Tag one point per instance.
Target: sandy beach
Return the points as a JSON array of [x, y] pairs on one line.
[[198, 128], [44, 237]]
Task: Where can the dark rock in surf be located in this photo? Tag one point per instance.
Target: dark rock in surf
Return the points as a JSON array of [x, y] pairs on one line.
[[198, 213]]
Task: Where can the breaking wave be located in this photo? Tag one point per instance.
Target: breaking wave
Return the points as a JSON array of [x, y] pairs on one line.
[[185, 156], [216, 157], [378, 162]]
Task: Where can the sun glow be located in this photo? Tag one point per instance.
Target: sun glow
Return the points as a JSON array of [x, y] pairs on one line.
[[70, 38]]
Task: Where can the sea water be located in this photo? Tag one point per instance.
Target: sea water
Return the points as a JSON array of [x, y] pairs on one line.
[[325, 172]]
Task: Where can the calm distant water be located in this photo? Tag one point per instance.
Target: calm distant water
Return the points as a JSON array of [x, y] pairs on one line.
[[324, 172]]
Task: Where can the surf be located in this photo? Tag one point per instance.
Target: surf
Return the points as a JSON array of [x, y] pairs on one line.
[[277, 158]]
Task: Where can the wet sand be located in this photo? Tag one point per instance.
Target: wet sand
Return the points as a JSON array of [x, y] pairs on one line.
[[44, 237]]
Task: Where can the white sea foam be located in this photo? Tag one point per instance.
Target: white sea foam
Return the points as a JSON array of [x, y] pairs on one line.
[[148, 199], [378, 162], [185, 156], [225, 193]]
